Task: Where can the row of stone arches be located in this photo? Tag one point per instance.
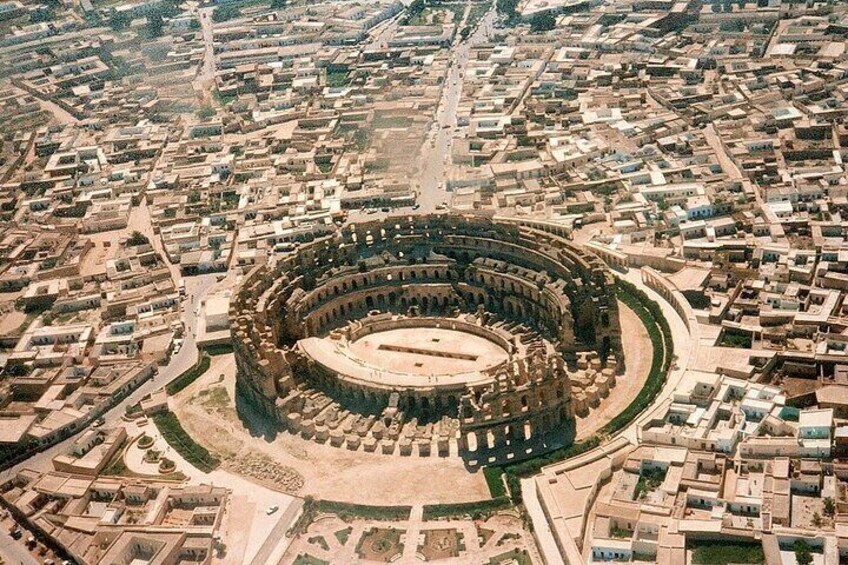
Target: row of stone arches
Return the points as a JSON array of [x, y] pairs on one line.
[[380, 277]]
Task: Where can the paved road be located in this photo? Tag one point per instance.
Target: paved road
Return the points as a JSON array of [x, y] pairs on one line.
[[14, 552], [435, 156]]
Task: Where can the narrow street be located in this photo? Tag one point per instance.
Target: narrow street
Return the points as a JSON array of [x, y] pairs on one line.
[[59, 114], [204, 82]]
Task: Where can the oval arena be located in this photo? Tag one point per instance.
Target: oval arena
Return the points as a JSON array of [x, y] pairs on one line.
[[429, 335]]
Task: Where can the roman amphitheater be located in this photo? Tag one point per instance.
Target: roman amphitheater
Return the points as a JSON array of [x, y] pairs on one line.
[[429, 336]]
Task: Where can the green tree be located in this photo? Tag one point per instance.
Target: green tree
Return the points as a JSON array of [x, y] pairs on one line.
[[415, 8], [507, 8], [41, 14], [155, 23], [803, 554], [829, 507], [137, 238], [224, 13], [542, 21], [278, 4], [119, 20]]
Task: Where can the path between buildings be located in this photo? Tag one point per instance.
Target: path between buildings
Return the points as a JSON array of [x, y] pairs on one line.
[[416, 518]]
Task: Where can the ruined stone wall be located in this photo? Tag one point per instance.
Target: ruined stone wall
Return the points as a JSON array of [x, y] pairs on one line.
[[437, 265]]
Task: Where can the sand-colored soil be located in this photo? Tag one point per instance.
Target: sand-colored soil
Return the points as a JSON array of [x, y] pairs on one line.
[[328, 472], [637, 359]]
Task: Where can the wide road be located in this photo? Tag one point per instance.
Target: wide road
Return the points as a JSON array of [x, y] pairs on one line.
[[435, 155]]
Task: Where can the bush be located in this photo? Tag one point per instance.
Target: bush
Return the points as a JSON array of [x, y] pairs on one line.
[[171, 429], [435, 511], [189, 376], [347, 510]]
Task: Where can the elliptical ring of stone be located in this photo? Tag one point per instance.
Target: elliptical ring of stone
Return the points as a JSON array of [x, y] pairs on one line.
[[426, 335]]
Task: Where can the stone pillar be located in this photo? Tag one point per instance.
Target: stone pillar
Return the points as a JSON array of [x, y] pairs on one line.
[[462, 441], [482, 440], [499, 434]]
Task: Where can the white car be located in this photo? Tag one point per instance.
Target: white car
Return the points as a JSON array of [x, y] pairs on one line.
[[272, 509]]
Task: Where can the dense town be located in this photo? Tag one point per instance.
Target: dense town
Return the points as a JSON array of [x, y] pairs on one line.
[[462, 281]]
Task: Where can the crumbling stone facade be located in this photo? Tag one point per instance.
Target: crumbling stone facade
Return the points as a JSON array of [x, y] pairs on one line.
[[536, 295]]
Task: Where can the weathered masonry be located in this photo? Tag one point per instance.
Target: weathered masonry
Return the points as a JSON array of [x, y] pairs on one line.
[[426, 335]]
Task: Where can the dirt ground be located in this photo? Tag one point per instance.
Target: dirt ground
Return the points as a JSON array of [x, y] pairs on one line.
[[10, 319], [804, 509], [637, 359], [303, 467], [327, 472]]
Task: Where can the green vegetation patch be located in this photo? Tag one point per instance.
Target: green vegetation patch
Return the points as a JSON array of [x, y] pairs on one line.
[[726, 552], [219, 349], [189, 376], [738, 340], [306, 559], [380, 544], [649, 481], [346, 511], [494, 480], [519, 556], [391, 122], [343, 535], [697, 299], [337, 78], [173, 432]]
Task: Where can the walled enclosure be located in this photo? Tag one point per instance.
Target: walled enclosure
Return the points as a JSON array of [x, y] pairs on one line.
[[531, 293]]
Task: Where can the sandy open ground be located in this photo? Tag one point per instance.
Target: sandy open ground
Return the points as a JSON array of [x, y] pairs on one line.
[[637, 360], [206, 410], [328, 472]]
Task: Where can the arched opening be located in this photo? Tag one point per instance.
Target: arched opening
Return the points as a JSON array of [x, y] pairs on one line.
[[471, 441]]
